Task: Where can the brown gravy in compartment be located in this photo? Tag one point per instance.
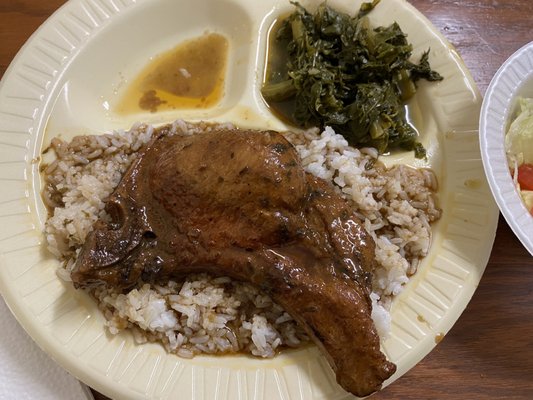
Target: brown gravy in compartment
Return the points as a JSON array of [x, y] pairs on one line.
[[189, 76]]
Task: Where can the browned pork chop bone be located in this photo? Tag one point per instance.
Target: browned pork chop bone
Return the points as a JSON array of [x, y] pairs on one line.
[[239, 204]]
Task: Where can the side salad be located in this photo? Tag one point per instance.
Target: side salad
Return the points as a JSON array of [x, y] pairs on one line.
[[519, 149]]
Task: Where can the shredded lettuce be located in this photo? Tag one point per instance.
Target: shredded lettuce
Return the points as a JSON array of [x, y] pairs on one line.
[[519, 138], [527, 197]]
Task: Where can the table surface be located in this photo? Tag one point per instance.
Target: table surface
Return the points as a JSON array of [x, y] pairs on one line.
[[488, 354]]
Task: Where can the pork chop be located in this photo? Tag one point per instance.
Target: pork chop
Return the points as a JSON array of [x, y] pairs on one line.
[[239, 204]]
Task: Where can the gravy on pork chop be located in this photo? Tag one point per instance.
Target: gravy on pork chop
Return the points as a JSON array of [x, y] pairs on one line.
[[239, 204]]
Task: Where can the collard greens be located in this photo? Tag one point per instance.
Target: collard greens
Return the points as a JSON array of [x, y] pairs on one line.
[[342, 73]]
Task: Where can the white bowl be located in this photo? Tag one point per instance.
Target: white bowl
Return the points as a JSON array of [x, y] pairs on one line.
[[514, 79]]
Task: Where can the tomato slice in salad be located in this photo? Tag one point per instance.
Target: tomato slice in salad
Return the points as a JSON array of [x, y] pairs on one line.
[[525, 176]]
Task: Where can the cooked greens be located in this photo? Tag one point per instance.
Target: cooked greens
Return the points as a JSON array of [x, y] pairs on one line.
[[342, 73]]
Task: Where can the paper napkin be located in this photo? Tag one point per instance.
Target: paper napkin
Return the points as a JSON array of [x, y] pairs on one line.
[[27, 372]]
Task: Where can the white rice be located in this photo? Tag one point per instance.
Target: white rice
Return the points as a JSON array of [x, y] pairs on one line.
[[216, 315]]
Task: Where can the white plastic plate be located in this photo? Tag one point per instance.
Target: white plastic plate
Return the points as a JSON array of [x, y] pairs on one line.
[[65, 81]]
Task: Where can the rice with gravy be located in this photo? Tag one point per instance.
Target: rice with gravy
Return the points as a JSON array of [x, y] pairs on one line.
[[204, 314]]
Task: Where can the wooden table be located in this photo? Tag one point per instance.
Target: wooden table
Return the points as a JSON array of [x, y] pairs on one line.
[[489, 352]]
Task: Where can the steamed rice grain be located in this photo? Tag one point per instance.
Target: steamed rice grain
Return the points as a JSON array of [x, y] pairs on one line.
[[211, 315]]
